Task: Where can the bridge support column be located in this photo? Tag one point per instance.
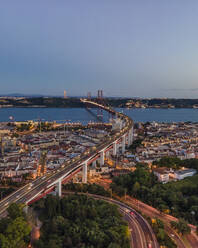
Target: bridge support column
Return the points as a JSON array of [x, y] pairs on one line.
[[114, 148], [123, 144], [26, 209], [102, 158], [130, 137], [84, 175], [59, 188], [107, 153], [94, 163]]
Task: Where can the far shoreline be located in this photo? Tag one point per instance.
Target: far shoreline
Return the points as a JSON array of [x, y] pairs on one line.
[[49, 107]]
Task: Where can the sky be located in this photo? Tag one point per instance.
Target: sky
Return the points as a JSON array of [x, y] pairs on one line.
[[128, 48]]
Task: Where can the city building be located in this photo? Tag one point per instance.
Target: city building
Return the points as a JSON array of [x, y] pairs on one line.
[[162, 174], [181, 174]]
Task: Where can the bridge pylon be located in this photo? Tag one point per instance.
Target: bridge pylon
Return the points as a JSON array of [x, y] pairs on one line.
[[84, 173], [123, 143], [59, 188]]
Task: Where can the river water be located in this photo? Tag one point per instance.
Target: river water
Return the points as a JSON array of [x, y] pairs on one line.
[[80, 114]]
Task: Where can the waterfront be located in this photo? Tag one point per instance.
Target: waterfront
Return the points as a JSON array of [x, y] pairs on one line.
[[80, 114]]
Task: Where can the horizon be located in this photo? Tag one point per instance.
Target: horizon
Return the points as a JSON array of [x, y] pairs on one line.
[[10, 95]]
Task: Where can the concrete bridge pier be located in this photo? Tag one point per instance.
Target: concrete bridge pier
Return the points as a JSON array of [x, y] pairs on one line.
[[84, 174], [114, 148], [102, 154], [123, 143], [94, 164], [25, 209], [130, 137], [59, 188]]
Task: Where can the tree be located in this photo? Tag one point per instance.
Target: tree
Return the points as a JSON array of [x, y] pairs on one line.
[[113, 245], [179, 198], [181, 226], [161, 234], [81, 222], [54, 243], [51, 206], [171, 162], [15, 210], [136, 188], [174, 224], [4, 222], [4, 242], [16, 234]]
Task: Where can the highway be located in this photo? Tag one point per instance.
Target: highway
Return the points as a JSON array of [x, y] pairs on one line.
[[154, 213], [142, 234], [40, 185]]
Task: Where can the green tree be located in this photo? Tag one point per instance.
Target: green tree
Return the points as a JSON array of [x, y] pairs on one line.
[[15, 210], [16, 234], [81, 222], [136, 188], [181, 226], [113, 245]]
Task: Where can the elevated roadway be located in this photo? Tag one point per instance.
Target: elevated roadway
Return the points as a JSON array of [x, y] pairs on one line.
[[41, 186]]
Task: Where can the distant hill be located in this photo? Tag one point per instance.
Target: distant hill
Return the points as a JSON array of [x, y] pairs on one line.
[[21, 95]]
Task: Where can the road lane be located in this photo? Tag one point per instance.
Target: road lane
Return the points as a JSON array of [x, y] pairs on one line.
[[144, 232], [154, 213], [173, 235], [136, 233]]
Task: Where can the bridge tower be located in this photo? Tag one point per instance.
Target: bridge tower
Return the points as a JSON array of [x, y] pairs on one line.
[[89, 95]]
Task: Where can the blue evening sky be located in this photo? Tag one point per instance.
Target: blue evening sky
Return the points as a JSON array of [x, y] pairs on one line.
[[136, 48]]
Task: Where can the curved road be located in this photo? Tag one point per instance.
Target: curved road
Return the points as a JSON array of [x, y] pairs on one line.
[[154, 213], [142, 234], [148, 236]]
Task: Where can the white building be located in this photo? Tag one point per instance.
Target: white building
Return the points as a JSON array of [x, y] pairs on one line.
[[162, 174], [181, 174]]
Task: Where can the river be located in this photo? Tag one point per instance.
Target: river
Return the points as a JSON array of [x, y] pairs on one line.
[[80, 114]]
